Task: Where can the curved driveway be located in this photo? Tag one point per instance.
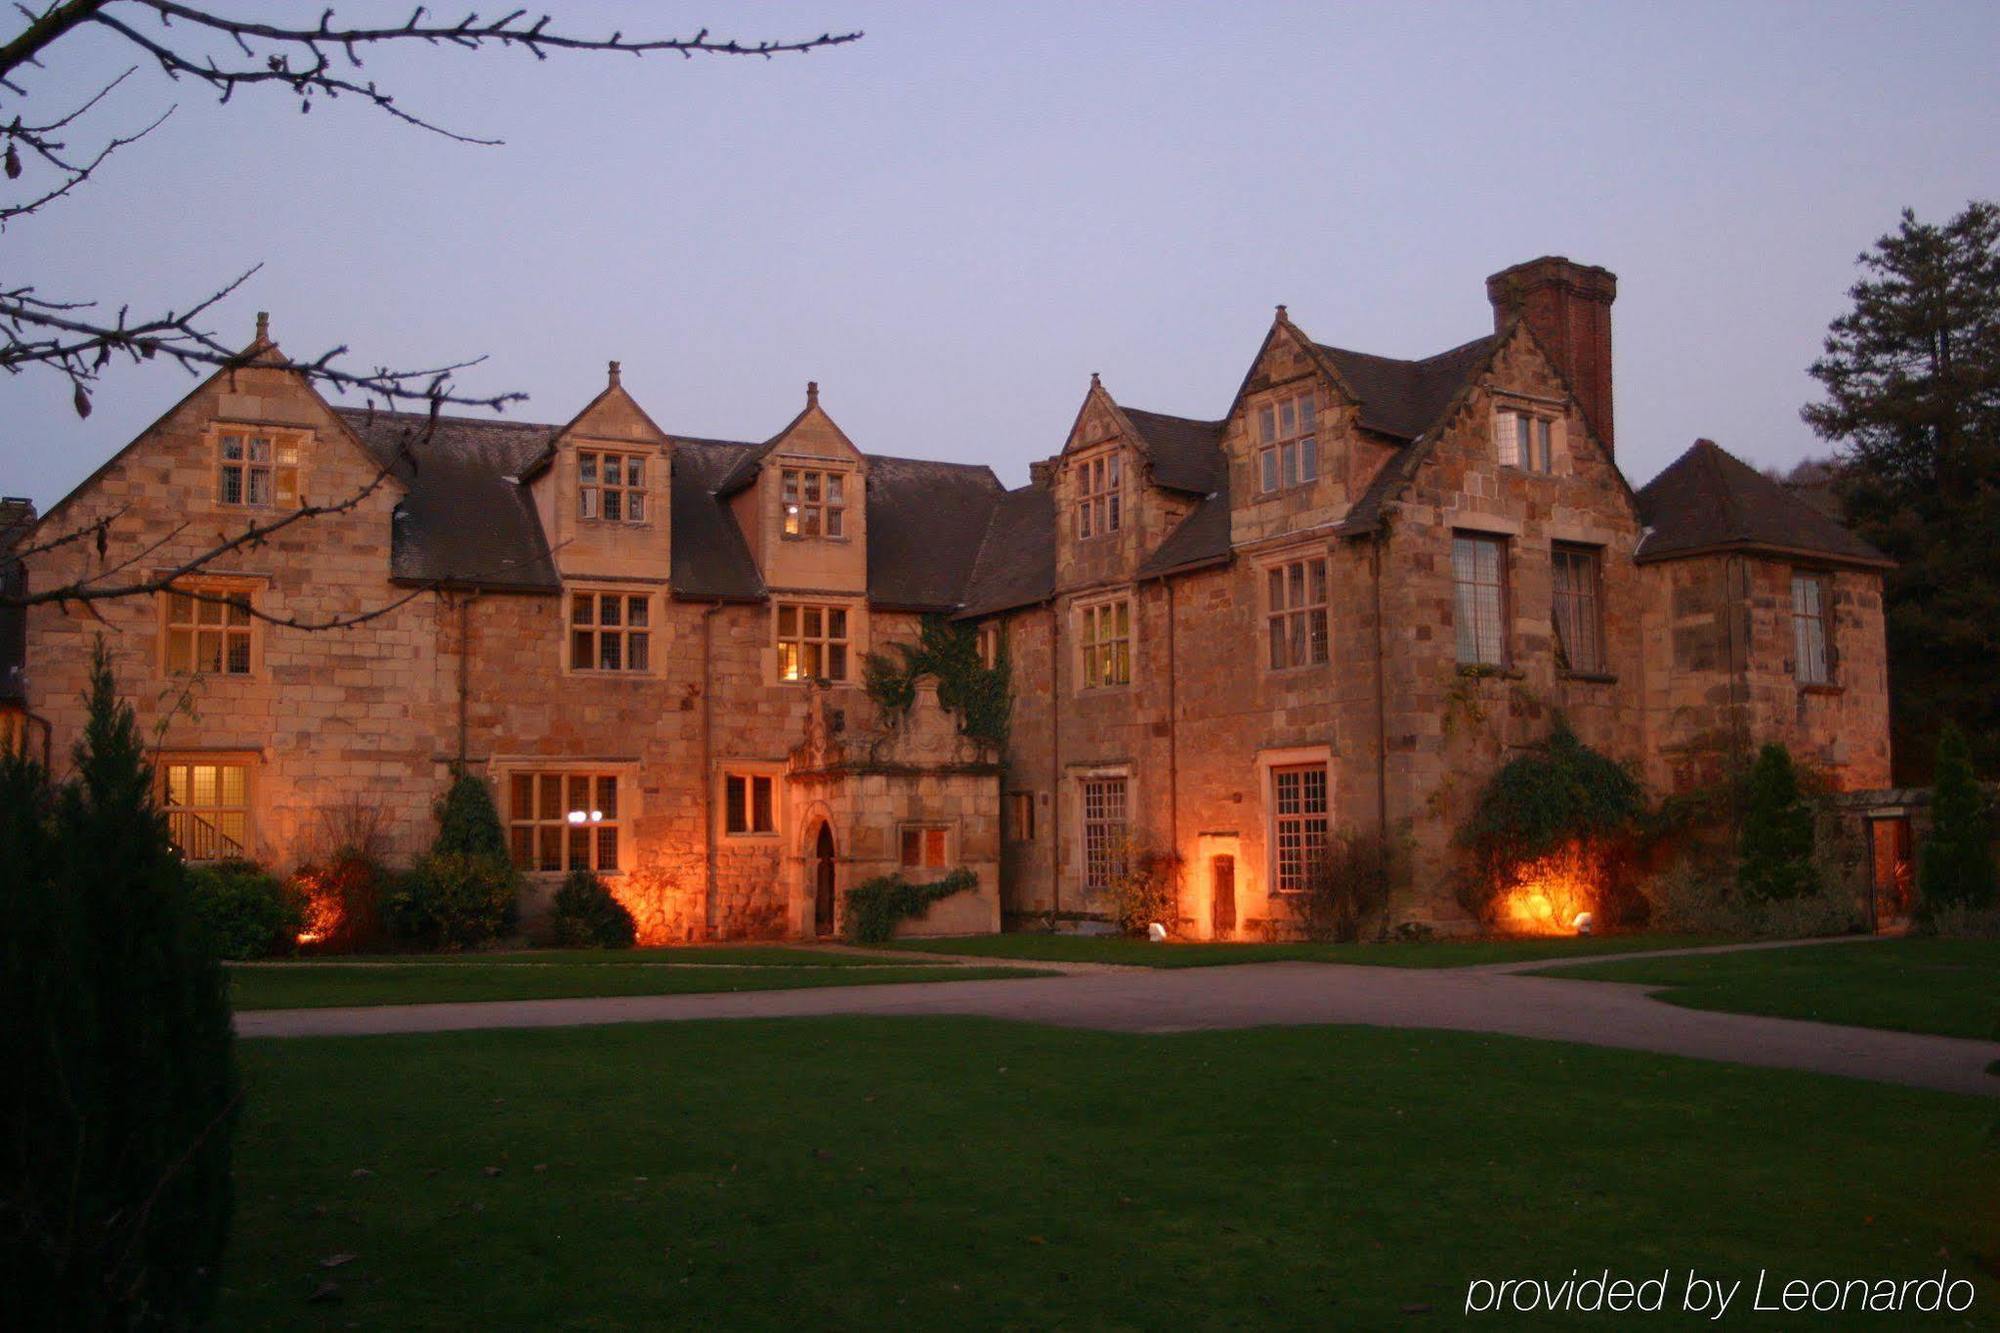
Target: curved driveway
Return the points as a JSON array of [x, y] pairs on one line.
[[1596, 1013]]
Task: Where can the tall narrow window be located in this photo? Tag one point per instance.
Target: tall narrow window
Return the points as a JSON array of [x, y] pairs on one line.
[[1288, 442], [207, 629], [1479, 598], [207, 805], [1296, 615], [989, 645], [1105, 641], [1579, 612], [1103, 832], [1524, 440], [563, 821], [1100, 503], [747, 800], [815, 503], [1298, 824], [610, 486], [1021, 816], [1812, 640], [812, 642], [257, 467], [610, 631]]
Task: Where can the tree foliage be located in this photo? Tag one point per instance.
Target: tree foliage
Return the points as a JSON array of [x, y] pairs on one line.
[[1561, 792], [979, 695], [877, 907], [120, 1094], [1911, 375], [1956, 869], [468, 823], [586, 916], [1775, 845]]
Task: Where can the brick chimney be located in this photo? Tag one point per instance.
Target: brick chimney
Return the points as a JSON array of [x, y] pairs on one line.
[[1568, 307]]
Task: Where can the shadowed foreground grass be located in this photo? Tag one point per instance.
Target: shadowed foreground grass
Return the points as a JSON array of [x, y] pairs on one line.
[[1428, 953], [1951, 987], [934, 1172]]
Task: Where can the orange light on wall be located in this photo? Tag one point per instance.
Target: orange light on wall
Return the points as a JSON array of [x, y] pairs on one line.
[[1555, 894]]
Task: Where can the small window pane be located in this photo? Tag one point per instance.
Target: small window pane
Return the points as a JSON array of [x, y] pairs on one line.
[[736, 801], [522, 803]]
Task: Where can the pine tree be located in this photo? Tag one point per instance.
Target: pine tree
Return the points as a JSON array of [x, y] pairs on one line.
[[1956, 868], [1912, 380], [468, 823], [1775, 848], [122, 1082]]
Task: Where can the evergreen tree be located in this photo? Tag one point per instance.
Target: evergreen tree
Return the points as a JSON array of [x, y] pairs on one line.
[[121, 1085], [1956, 868], [468, 823], [1912, 381], [1775, 848]]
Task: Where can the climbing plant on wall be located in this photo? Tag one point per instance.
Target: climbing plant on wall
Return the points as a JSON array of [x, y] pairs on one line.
[[980, 695]]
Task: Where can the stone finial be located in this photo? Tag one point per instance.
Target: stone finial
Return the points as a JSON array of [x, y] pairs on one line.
[[614, 374], [812, 393], [263, 326], [1095, 383], [1283, 318]]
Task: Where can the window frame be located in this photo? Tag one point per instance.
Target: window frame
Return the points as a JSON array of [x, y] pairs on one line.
[[1102, 840], [753, 778], [929, 835], [1100, 495], [538, 824], [991, 641], [1018, 828], [591, 493], [1540, 428], [1286, 458], [1104, 662], [200, 593], [165, 762], [1306, 624], [825, 641], [1821, 581], [1503, 599], [1592, 597], [284, 482], [1312, 827], [795, 504], [624, 630]]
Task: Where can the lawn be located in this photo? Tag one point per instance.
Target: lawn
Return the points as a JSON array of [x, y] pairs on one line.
[[932, 1172], [433, 981], [1911, 985], [1025, 947]]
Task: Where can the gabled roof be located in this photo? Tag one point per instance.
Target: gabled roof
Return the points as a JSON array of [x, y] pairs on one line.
[[1016, 562], [1404, 399], [1186, 455], [1710, 500]]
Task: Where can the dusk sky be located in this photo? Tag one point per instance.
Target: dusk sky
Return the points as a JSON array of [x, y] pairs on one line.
[[953, 222]]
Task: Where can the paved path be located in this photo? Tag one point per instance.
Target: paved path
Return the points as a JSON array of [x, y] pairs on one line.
[[1596, 1013]]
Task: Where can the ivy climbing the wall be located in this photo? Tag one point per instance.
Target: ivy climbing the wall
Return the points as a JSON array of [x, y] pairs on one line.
[[876, 908], [979, 695]]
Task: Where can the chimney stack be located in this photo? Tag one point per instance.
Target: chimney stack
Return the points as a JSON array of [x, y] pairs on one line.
[[1568, 308], [1042, 473]]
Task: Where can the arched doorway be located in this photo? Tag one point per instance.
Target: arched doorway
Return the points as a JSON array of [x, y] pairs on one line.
[[823, 881]]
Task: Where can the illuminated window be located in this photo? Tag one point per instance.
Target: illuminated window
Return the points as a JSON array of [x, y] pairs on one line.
[[610, 631], [1287, 442], [1021, 816], [1296, 615], [563, 821], [1298, 824], [815, 503], [1105, 640], [749, 804], [206, 629], [1812, 638], [1579, 611], [257, 467], [1524, 440], [923, 848], [610, 486], [1479, 598], [1100, 495], [207, 805], [1103, 832], [812, 642]]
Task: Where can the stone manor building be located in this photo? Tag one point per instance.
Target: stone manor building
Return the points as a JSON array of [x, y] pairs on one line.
[[1340, 603]]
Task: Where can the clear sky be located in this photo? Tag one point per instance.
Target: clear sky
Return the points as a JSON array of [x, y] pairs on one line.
[[952, 223]]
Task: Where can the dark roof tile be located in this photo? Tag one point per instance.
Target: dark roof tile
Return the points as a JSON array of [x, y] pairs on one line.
[[1708, 499], [1202, 538], [1403, 399], [925, 523], [1186, 454], [1016, 563]]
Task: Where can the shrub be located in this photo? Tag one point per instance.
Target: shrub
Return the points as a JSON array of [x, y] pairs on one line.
[[247, 912], [343, 901], [451, 900], [876, 908], [1775, 847], [1955, 868], [1687, 900], [1961, 922], [1348, 887], [468, 825], [120, 1094], [586, 916], [1145, 890]]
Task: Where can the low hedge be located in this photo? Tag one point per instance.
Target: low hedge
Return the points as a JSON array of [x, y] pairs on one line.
[[245, 911]]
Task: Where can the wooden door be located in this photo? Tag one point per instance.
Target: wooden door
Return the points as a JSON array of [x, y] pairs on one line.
[[1222, 878], [823, 882]]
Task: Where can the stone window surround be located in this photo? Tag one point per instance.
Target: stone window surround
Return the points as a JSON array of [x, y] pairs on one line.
[[1098, 512], [654, 629], [248, 760], [1303, 395], [1075, 845], [1597, 666], [856, 607], [621, 450], [1506, 542], [1268, 762], [824, 468], [948, 845], [1828, 682], [211, 585], [1091, 602], [299, 438], [1019, 829], [992, 637], [1266, 613], [774, 770], [1549, 413], [500, 774]]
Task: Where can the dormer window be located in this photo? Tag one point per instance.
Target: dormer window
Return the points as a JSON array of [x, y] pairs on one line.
[[257, 467], [1524, 440], [610, 486], [1287, 442], [1100, 490], [815, 503]]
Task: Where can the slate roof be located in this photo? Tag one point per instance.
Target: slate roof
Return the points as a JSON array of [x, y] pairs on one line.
[[1016, 563], [1710, 500], [1186, 454], [1403, 399], [1202, 538], [710, 557], [926, 524]]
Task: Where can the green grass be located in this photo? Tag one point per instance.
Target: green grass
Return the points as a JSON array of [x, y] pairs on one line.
[[678, 955], [327, 985], [934, 1172], [1944, 986], [1430, 953]]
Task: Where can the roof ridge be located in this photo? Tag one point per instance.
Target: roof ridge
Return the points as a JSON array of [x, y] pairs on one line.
[[1455, 350]]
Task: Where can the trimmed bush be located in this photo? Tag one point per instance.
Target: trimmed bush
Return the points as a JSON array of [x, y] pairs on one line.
[[246, 911], [468, 824], [1956, 866], [1347, 887], [876, 908], [1775, 847], [586, 916], [1145, 890], [450, 900]]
